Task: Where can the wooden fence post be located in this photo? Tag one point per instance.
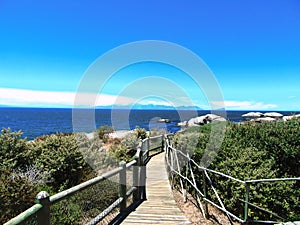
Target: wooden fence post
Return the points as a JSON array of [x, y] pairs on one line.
[[162, 143], [143, 179], [247, 187], [122, 186], [205, 194], [43, 215], [142, 182], [148, 147], [135, 180]]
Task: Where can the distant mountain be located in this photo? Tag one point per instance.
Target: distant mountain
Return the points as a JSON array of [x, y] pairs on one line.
[[149, 107]]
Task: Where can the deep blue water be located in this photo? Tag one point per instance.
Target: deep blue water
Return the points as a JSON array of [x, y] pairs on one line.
[[34, 122]]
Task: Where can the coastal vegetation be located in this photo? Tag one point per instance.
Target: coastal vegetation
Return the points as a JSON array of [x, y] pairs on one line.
[[56, 162], [252, 151]]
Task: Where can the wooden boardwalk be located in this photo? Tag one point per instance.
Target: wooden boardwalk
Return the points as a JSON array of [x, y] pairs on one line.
[[160, 206]]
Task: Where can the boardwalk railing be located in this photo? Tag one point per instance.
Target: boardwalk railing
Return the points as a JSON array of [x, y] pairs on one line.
[[41, 210], [177, 160]]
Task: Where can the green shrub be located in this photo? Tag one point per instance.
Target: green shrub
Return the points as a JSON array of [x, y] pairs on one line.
[[60, 156], [141, 133], [131, 141], [104, 131], [16, 195], [93, 151], [50, 163], [66, 212], [156, 132], [13, 150], [121, 152], [253, 151]]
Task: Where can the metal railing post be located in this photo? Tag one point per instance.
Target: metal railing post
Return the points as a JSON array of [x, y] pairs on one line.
[[43, 215], [122, 186], [247, 187]]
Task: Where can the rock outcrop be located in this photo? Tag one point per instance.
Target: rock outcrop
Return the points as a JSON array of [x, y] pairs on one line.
[[202, 120], [286, 118], [253, 115]]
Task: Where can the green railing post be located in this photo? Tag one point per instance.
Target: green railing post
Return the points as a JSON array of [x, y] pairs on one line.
[[135, 180], [247, 187], [140, 159], [148, 147], [43, 215], [142, 183], [162, 143], [205, 194], [122, 186]]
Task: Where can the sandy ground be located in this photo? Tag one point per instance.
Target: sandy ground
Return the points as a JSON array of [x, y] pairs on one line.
[[120, 133], [194, 215], [117, 134]]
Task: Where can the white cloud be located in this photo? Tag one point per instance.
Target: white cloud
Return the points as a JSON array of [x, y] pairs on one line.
[[30, 98], [18, 97], [155, 102], [244, 105]]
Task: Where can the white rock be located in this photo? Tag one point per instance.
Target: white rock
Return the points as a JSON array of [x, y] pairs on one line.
[[286, 118], [264, 119], [253, 115], [182, 124], [201, 120], [120, 134], [273, 114]]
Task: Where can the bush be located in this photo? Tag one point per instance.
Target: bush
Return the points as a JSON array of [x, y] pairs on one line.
[[16, 195], [131, 141], [13, 150], [104, 131], [140, 133], [50, 163], [253, 151], [60, 156], [120, 152], [94, 152]]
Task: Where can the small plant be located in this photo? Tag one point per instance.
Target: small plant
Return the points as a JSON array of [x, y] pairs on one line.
[[121, 152], [131, 141], [93, 151], [104, 131], [141, 133], [16, 195], [32, 174]]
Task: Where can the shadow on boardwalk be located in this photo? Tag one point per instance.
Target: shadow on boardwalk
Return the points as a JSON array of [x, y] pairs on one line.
[[160, 206]]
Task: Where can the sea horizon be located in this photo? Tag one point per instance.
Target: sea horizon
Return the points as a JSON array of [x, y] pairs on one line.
[[37, 121]]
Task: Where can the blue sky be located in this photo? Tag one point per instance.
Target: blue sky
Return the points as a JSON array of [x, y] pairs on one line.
[[252, 48]]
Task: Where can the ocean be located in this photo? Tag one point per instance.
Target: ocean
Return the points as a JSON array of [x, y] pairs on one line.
[[34, 122]]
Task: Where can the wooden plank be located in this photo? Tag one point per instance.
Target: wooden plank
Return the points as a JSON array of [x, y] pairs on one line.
[[160, 206]]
